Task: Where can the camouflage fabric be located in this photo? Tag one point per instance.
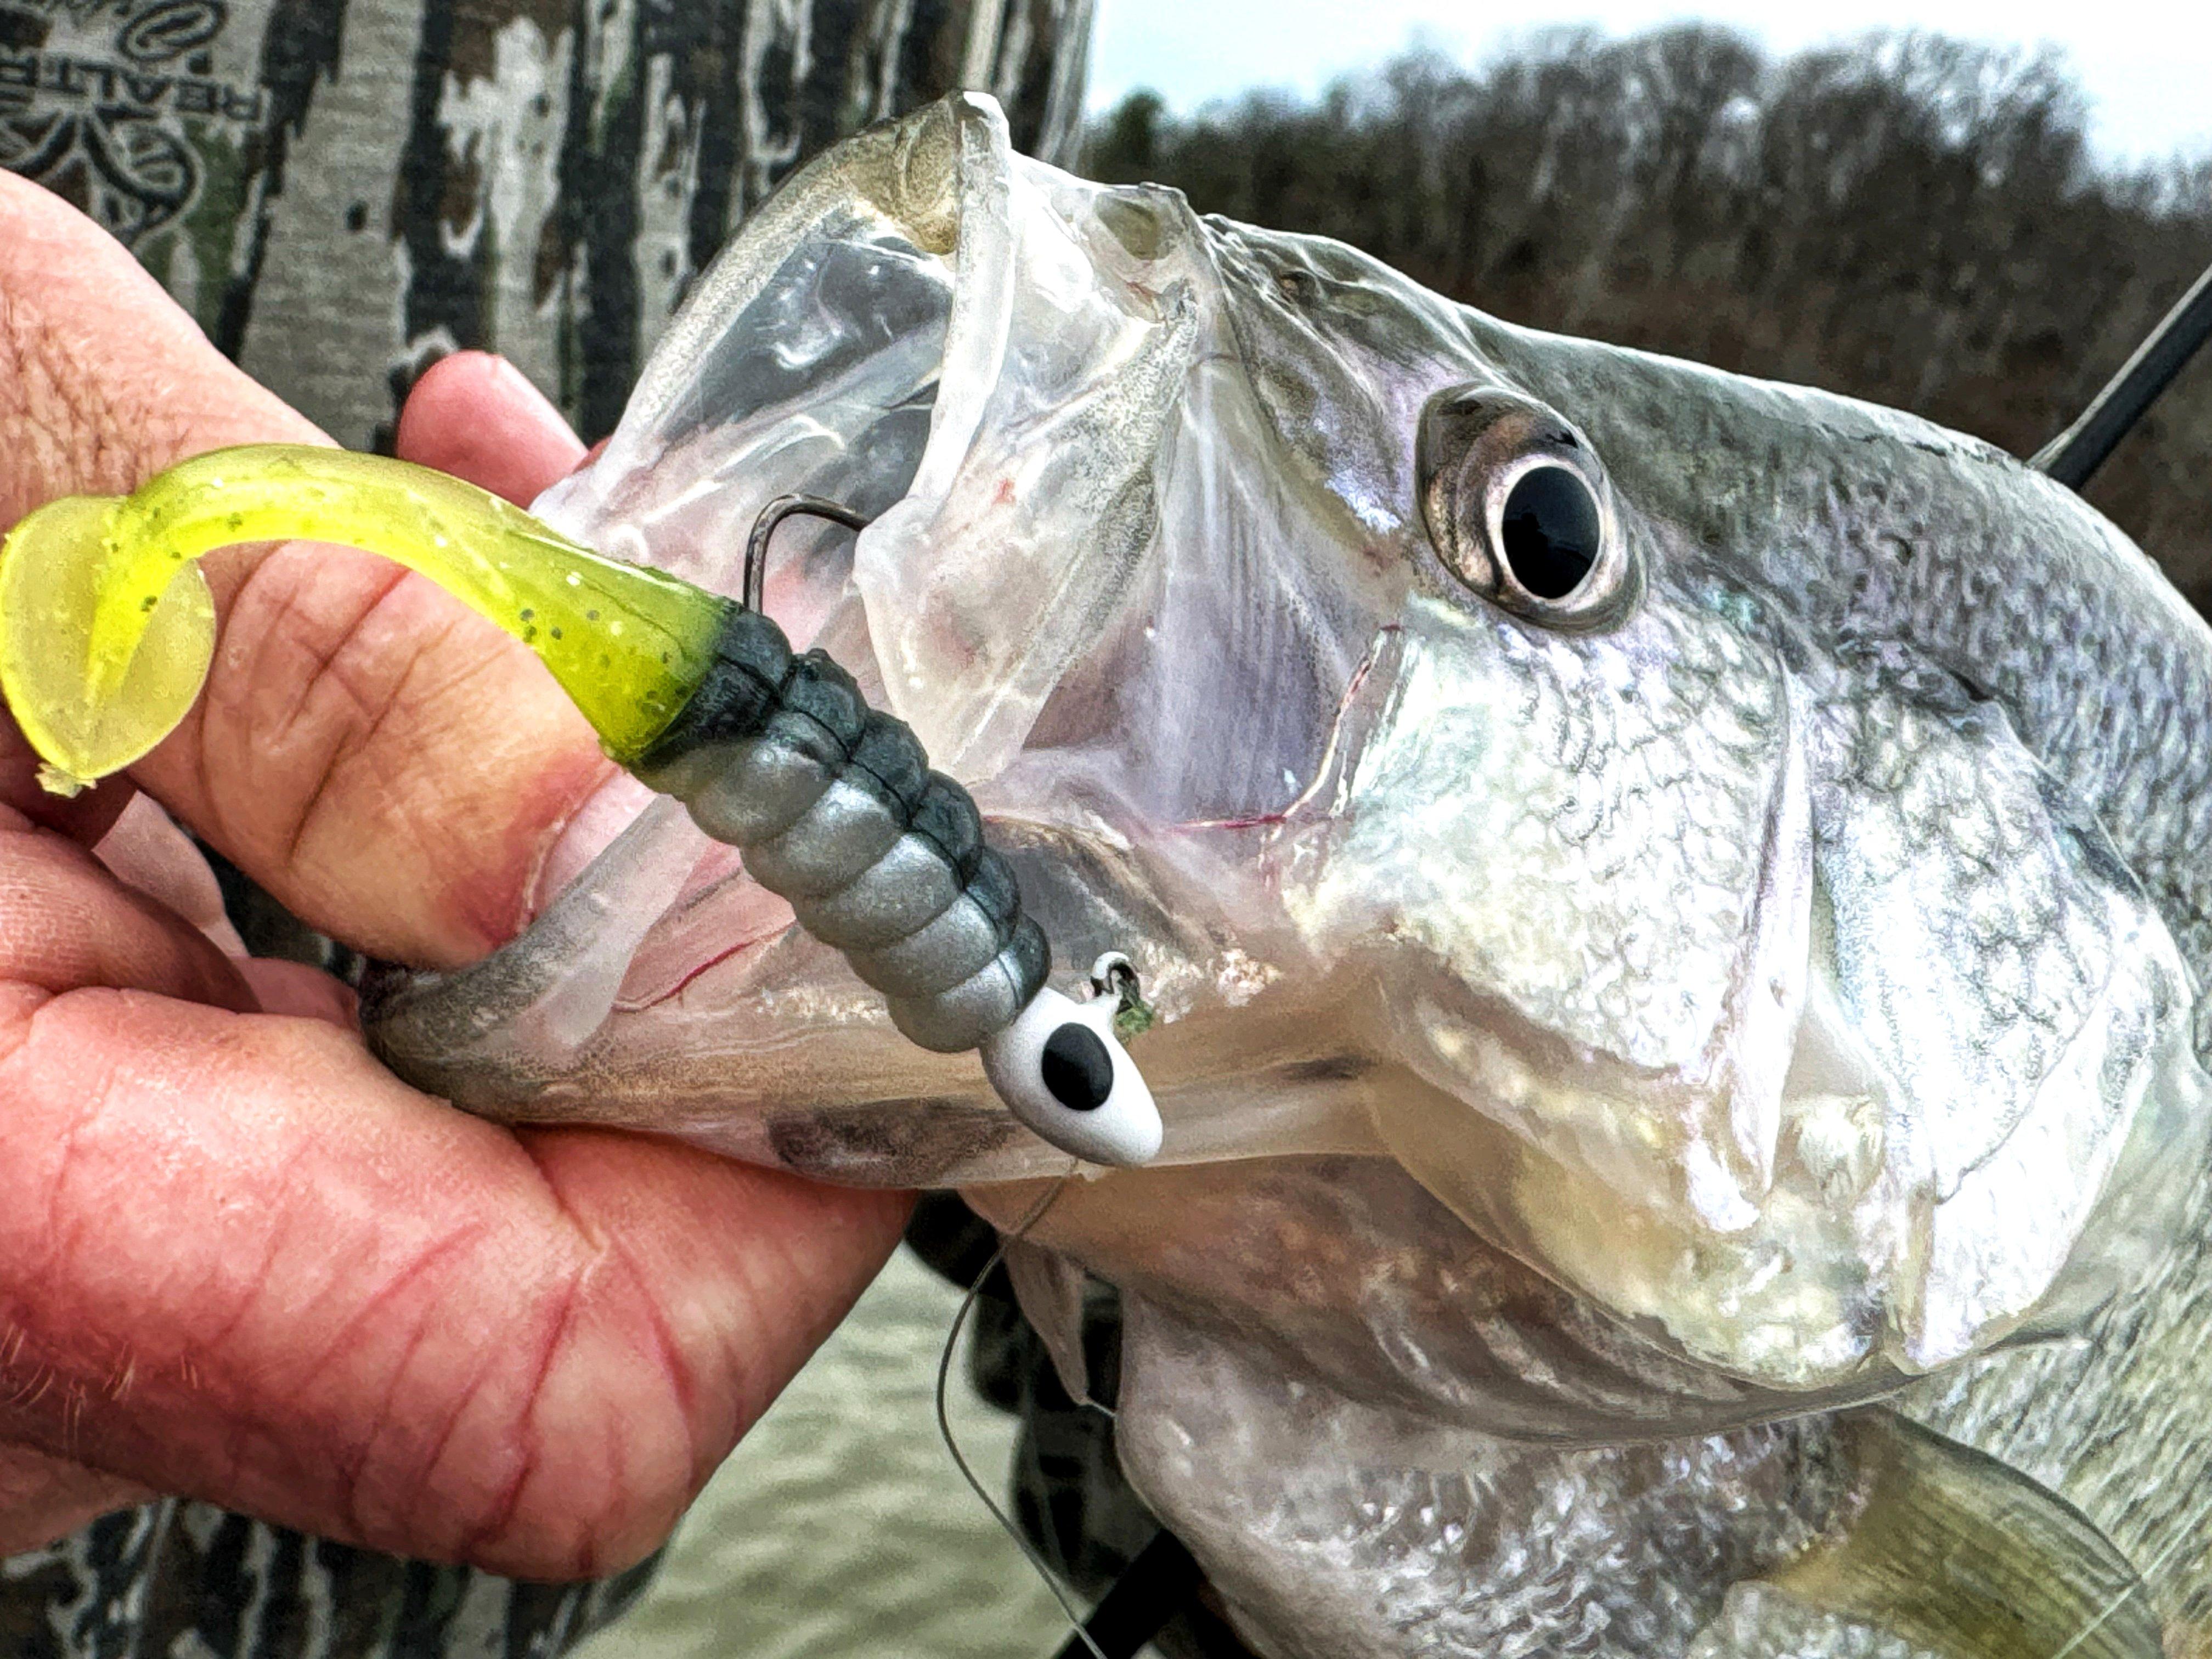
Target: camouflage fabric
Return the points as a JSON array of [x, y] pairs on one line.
[[189, 1581], [342, 189], [341, 192]]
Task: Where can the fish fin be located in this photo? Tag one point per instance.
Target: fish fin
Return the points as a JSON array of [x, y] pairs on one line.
[[1951, 1554]]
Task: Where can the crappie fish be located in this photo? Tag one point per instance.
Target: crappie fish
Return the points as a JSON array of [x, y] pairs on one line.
[[1672, 905]]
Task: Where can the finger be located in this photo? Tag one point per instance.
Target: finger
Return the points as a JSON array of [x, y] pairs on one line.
[[478, 417], [65, 921], [391, 767], [70, 917], [43, 1498], [386, 1323], [147, 853], [293, 987]]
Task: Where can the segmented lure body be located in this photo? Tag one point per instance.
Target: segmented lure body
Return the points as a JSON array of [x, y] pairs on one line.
[[836, 812]]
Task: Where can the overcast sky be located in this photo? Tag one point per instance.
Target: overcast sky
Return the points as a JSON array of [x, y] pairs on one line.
[[2146, 67]]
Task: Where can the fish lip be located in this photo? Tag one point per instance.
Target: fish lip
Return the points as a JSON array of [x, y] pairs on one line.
[[946, 176], [950, 217]]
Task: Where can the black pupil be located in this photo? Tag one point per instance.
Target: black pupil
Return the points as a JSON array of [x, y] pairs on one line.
[[1551, 531], [1077, 1068]]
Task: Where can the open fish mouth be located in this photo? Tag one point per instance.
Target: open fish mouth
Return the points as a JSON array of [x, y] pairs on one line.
[[1632, 935], [1020, 379], [1750, 995]]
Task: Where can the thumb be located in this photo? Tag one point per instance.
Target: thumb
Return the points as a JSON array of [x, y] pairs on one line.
[[388, 764], [475, 416], [103, 380]]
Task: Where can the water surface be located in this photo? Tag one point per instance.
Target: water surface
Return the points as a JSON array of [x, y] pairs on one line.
[[840, 1527]]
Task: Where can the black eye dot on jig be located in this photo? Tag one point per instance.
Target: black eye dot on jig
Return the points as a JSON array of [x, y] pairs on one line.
[[1077, 1071], [835, 809]]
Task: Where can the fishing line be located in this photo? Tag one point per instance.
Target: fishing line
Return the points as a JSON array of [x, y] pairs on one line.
[[1037, 1213]]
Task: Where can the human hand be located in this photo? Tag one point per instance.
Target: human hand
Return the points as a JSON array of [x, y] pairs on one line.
[[238, 1259]]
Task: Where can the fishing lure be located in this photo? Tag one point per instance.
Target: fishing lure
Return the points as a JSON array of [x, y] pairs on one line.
[[107, 631]]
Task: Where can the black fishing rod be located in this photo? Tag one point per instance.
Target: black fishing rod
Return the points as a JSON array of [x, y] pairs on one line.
[[2075, 454]]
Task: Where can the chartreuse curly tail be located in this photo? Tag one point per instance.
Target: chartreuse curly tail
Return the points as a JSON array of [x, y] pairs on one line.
[[106, 627]]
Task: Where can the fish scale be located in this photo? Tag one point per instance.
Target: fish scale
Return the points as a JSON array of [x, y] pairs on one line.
[[2085, 1417]]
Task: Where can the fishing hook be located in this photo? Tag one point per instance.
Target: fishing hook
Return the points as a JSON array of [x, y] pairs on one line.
[[782, 507]]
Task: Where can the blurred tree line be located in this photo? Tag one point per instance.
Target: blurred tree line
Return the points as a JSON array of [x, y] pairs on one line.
[[1914, 220]]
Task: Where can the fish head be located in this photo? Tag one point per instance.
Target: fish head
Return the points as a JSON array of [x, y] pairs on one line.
[[1489, 749]]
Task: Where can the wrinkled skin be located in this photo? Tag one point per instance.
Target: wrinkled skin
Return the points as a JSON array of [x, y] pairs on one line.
[[1772, 993], [239, 1262]]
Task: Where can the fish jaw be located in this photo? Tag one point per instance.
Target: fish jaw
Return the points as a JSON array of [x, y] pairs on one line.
[[715, 1021]]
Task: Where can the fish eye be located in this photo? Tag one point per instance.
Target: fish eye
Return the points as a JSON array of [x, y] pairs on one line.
[[1060, 1071], [1519, 508]]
